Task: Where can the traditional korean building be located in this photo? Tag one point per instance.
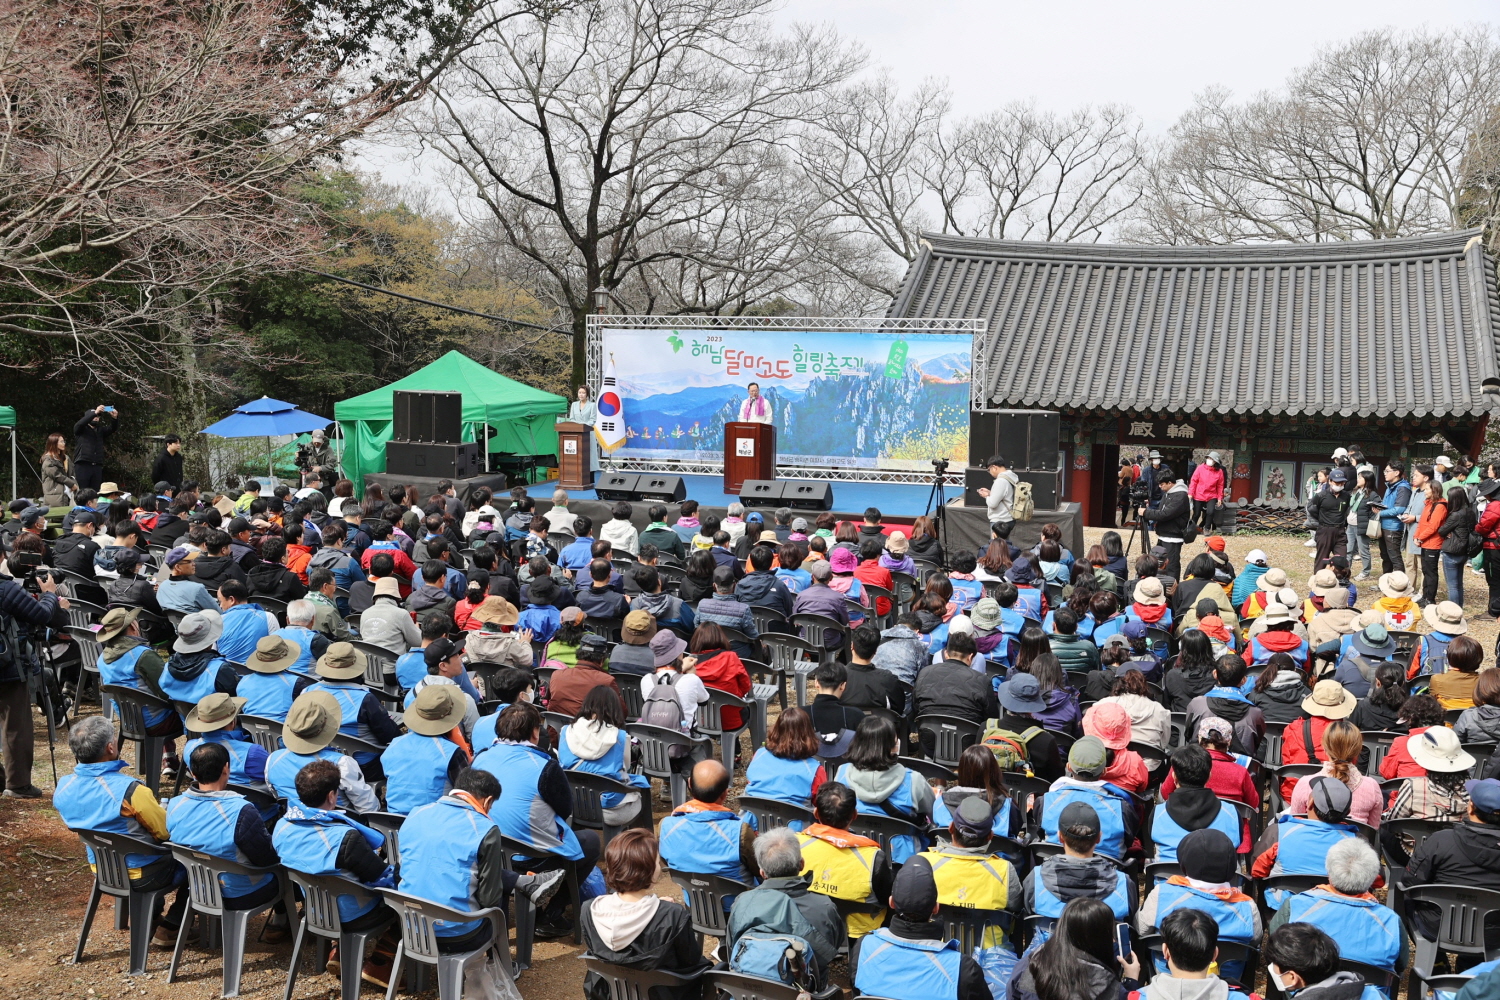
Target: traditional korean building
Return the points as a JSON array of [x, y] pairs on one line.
[[1273, 355]]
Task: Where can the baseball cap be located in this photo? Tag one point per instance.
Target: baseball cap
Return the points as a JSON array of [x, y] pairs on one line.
[[1484, 795], [914, 889], [1257, 557], [974, 815], [1088, 758], [1332, 799], [179, 554], [1214, 728], [31, 515], [1134, 629], [1206, 855], [83, 517], [799, 524], [237, 525], [592, 648], [1079, 814], [1215, 542], [442, 649]]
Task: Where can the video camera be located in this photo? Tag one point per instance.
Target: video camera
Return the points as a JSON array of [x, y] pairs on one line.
[[28, 567], [940, 465]]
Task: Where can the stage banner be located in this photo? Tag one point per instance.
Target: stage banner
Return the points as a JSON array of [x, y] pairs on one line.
[[857, 400]]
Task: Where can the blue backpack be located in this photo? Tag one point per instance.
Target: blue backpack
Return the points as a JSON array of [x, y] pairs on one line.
[[782, 958]]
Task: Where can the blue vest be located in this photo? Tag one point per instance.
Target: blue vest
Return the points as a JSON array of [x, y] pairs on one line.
[[1012, 621], [1166, 834], [301, 638], [1303, 849], [520, 811], [1029, 602], [351, 697], [244, 626], [308, 841], [90, 799], [1111, 809], [440, 857], [1261, 655], [942, 817], [901, 969], [283, 765], [901, 800], [1049, 904], [411, 667], [773, 777], [205, 821], [195, 690], [241, 753], [483, 736], [121, 671], [269, 696], [1236, 919], [706, 842], [611, 765], [416, 770], [1366, 931]]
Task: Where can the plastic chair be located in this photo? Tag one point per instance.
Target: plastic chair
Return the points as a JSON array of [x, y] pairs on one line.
[[389, 824], [130, 706], [816, 629], [83, 613], [264, 733], [1290, 884], [89, 651], [1373, 975], [419, 941], [526, 911], [274, 605], [931, 770], [969, 926], [948, 736], [738, 986], [1270, 744], [1378, 744], [604, 628], [1417, 829], [766, 617], [772, 814], [764, 675], [906, 590], [352, 745], [1462, 912], [786, 652], [206, 898], [320, 917], [626, 983], [884, 828], [705, 898], [380, 663], [656, 761], [1434, 985], [887, 620], [1229, 951], [112, 878], [709, 722], [588, 809], [634, 700], [1406, 646], [1288, 771]]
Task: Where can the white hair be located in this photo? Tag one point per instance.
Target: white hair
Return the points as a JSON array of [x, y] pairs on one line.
[[778, 853], [1352, 866], [301, 612], [89, 738], [736, 510]]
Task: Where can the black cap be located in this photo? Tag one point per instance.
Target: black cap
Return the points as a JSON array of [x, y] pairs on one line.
[[915, 890], [442, 649], [161, 487], [237, 525], [1207, 855], [974, 815], [83, 517], [1079, 814], [592, 648]]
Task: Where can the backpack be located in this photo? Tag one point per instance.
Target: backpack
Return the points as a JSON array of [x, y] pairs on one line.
[[1011, 749], [1022, 506], [782, 958], [661, 708]]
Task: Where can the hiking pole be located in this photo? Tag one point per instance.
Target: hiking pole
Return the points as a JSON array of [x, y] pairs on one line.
[[45, 699]]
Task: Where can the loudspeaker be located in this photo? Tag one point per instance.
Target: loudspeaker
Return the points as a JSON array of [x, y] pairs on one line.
[[807, 494], [1044, 487], [427, 416], [616, 486], [668, 489], [432, 460], [761, 493], [1028, 439]]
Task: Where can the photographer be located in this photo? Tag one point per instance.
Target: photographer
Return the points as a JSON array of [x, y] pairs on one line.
[[1149, 489], [88, 444], [19, 613], [314, 454], [1173, 517], [999, 497]]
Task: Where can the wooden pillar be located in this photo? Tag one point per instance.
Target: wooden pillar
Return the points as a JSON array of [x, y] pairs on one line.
[[1081, 482], [1241, 486]]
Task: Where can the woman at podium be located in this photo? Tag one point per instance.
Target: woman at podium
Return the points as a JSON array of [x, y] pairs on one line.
[[582, 410]]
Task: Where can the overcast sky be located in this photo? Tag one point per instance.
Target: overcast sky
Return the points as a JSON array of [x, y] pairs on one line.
[[1153, 56]]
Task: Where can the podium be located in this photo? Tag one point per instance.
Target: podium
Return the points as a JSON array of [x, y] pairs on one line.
[[575, 450], [749, 453]]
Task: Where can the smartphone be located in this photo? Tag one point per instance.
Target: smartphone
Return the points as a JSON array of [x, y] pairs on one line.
[[1122, 941]]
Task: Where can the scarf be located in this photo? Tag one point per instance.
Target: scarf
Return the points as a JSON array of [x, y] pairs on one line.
[[1149, 613], [838, 838], [1213, 626]]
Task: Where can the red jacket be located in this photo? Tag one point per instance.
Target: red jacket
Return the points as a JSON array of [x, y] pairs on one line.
[[1489, 523], [1398, 762], [873, 573], [722, 669], [1294, 749], [1227, 780], [405, 568], [1207, 483]]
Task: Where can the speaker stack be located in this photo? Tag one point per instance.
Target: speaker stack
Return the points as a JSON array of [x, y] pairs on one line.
[[1028, 440], [426, 428], [636, 488], [798, 494]]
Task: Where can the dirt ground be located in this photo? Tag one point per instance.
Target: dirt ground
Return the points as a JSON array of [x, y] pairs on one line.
[[45, 880]]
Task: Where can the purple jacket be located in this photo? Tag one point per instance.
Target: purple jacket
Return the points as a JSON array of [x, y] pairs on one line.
[[821, 599]]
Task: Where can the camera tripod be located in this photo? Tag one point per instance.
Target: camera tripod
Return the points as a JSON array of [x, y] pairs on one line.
[[937, 502]]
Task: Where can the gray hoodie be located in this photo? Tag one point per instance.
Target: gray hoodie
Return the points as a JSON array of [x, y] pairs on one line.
[[874, 787], [1165, 987], [1002, 495]]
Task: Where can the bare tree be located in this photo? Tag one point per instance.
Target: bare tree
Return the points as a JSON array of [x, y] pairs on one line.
[[1367, 142], [602, 144]]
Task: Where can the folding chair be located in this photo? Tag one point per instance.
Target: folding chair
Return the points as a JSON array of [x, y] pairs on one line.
[[206, 898], [626, 983], [705, 899], [112, 878], [131, 706], [419, 941], [772, 814], [588, 809], [656, 761], [320, 917], [950, 736]]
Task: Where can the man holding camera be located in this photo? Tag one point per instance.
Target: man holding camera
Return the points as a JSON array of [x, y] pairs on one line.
[[88, 444], [28, 611], [999, 497]]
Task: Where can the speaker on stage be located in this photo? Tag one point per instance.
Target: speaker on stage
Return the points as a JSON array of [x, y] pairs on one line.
[[1044, 486], [617, 486], [668, 489], [427, 416], [761, 493], [433, 460], [807, 494], [1027, 438]]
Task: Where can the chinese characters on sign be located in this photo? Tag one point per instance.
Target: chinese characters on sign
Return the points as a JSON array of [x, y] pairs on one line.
[[1175, 432]]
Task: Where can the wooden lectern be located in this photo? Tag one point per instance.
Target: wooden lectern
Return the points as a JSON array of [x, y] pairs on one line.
[[575, 450], [749, 453]]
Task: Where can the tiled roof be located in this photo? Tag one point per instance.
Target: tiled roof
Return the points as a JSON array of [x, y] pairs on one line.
[[1405, 327]]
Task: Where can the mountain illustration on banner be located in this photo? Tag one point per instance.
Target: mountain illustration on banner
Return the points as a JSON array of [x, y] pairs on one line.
[[893, 401]]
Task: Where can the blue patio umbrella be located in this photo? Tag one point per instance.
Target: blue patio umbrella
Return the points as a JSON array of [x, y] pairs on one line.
[[266, 417]]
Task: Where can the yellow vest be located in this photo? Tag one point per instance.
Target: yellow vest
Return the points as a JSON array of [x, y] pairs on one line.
[[843, 873], [975, 882]]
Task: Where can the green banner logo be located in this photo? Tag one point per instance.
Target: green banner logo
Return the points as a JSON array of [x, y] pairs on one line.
[[895, 364]]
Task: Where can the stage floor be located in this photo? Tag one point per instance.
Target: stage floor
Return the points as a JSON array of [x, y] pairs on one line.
[[897, 499]]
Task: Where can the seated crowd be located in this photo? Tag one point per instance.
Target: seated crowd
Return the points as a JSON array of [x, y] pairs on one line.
[[1109, 779]]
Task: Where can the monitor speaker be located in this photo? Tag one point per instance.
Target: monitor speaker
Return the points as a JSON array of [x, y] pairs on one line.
[[668, 489], [1027, 438], [432, 460], [427, 416], [807, 494], [617, 486], [761, 493], [1043, 487]]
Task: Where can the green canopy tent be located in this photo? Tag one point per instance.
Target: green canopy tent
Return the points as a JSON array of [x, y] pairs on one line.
[[8, 421], [512, 416]]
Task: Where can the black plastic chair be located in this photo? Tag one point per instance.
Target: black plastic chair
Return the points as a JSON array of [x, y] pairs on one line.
[[929, 769], [1462, 911], [588, 809], [320, 918], [526, 911], [738, 986], [884, 828], [626, 983], [772, 814], [112, 878], [705, 899], [950, 736], [656, 761], [970, 927]]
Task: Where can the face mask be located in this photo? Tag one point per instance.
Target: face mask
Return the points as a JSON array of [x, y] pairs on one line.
[[1274, 975], [1338, 487], [1156, 461]]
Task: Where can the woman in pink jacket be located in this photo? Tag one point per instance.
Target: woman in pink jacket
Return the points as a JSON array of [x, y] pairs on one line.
[[1206, 490]]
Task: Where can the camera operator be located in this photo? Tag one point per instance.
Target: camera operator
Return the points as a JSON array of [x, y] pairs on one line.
[[20, 613], [88, 444], [1173, 517], [999, 497], [314, 454], [1156, 479]]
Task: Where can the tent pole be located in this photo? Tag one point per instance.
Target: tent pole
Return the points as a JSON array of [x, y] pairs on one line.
[[486, 445], [270, 466], [15, 484]]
